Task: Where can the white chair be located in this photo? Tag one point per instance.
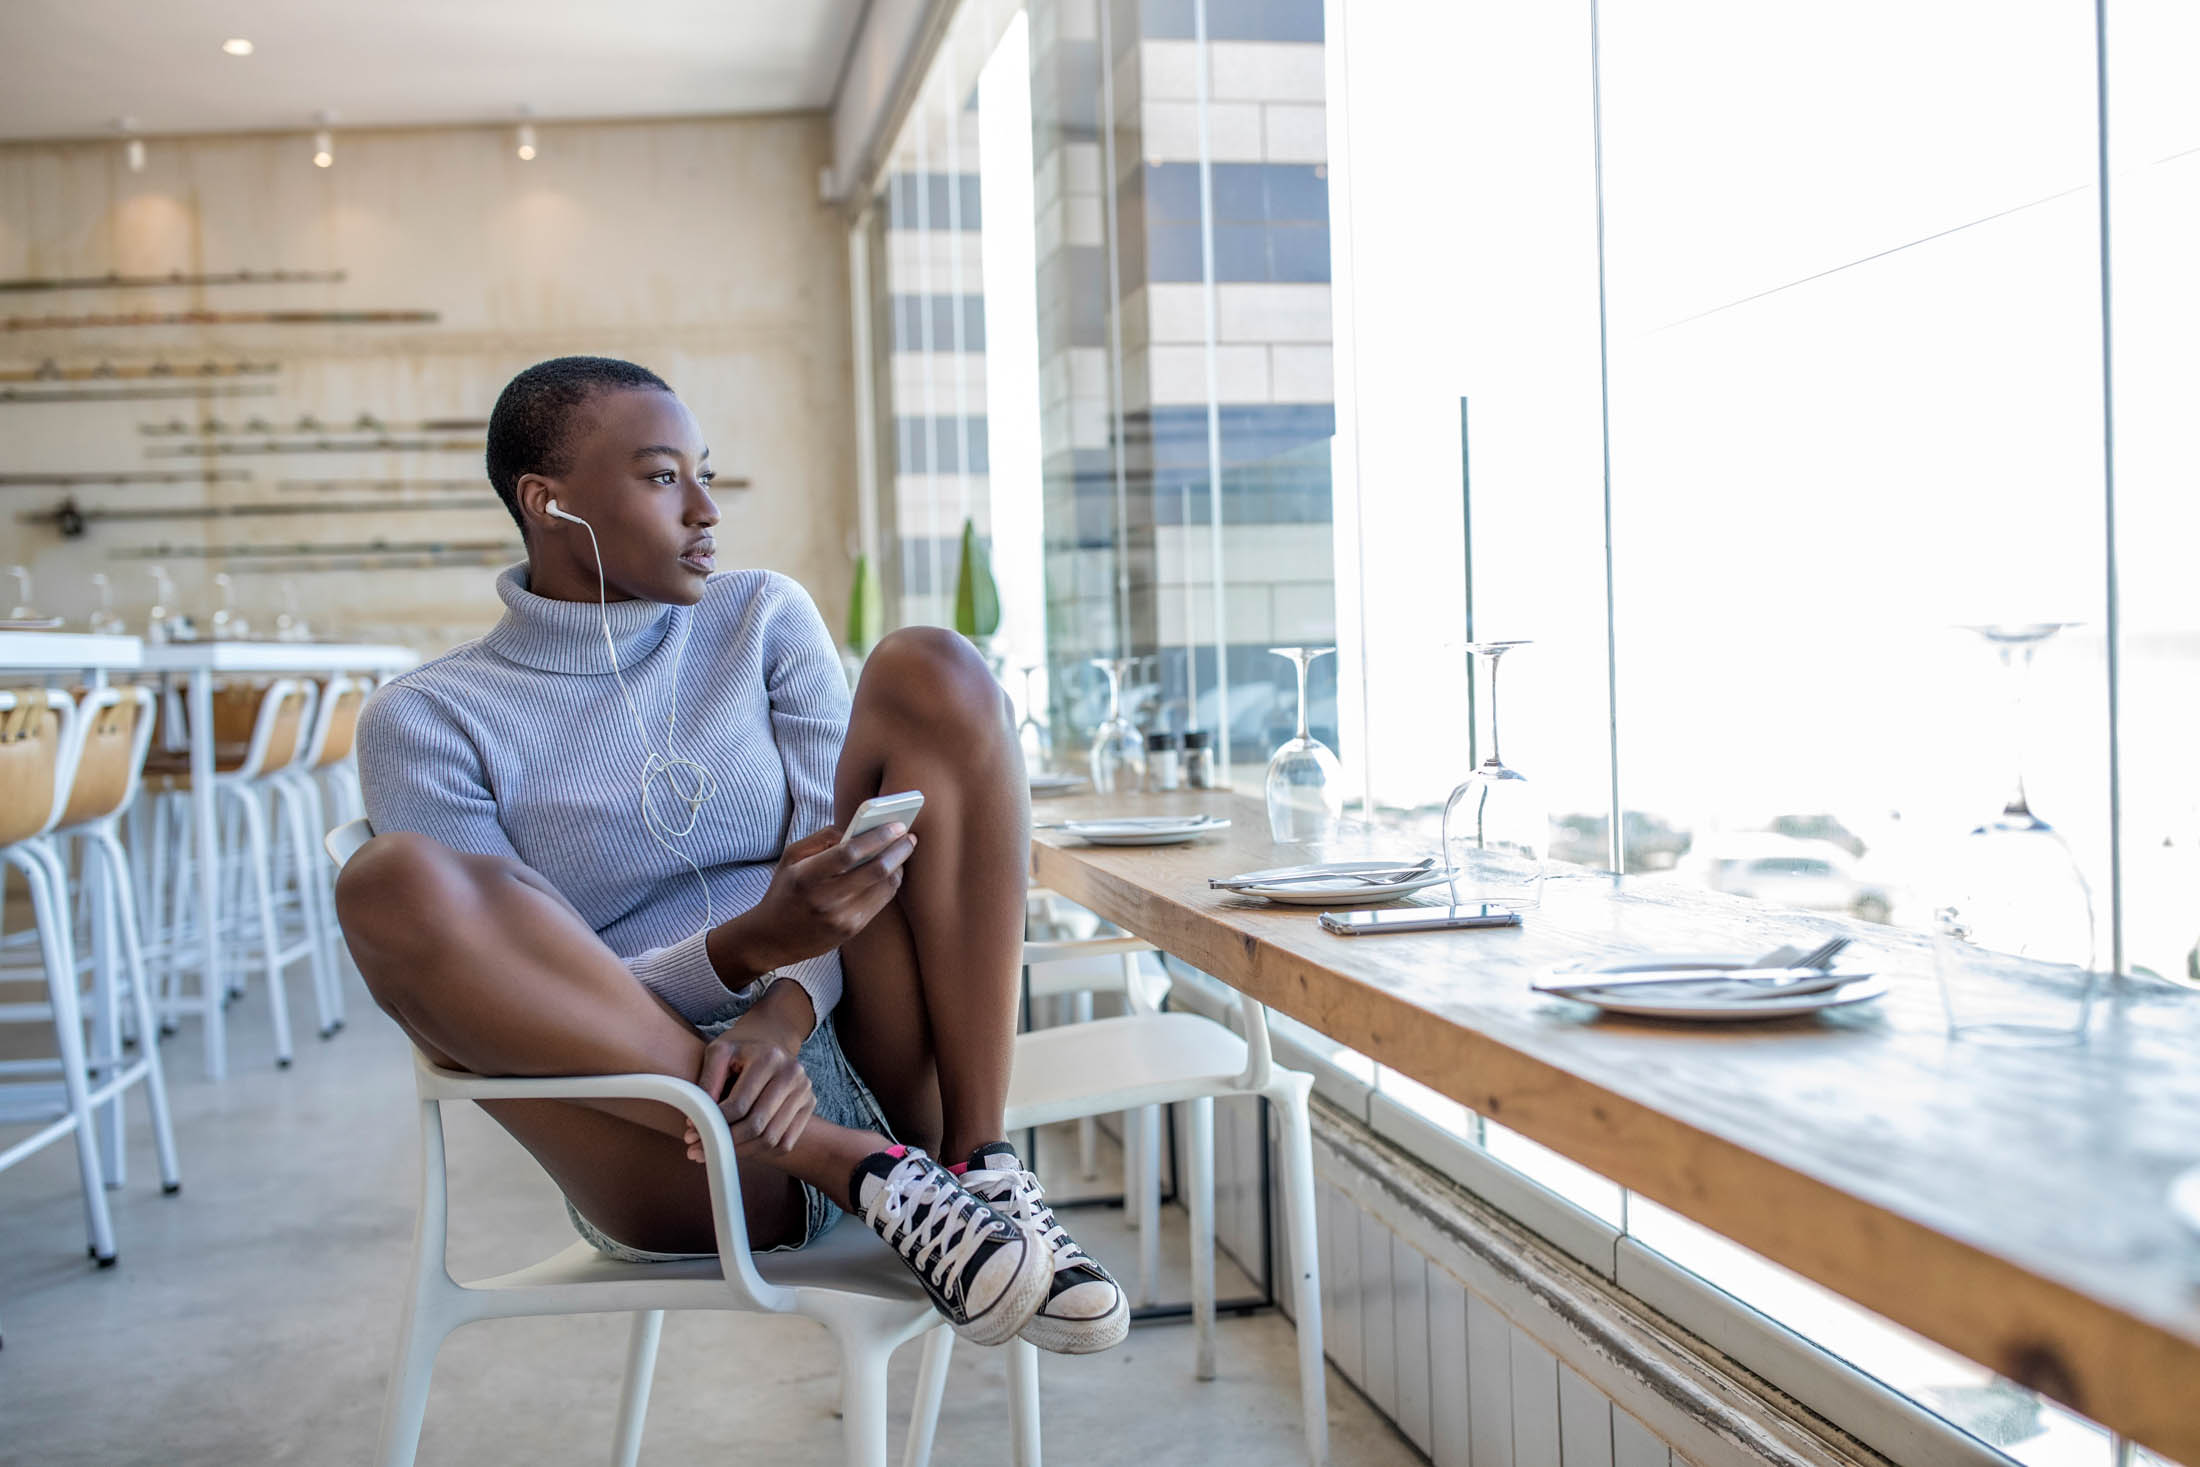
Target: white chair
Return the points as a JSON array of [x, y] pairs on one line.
[[37, 739], [847, 1281], [322, 775], [1142, 1061], [114, 726], [258, 733]]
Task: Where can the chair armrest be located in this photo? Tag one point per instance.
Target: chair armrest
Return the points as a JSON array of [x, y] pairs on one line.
[[685, 1096]]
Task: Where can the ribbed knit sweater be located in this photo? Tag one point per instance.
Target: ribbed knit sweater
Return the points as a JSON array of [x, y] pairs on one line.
[[519, 745]]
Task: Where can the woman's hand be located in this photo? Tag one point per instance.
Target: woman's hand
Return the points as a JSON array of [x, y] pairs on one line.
[[822, 894], [756, 1074]]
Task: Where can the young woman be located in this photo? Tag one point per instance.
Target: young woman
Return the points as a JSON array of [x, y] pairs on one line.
[[608, 840]]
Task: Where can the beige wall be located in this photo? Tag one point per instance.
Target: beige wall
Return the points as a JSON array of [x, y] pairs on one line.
[[698, 248]]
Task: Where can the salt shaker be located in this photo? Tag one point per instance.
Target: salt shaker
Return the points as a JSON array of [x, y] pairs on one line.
[[1164, 762], [1199, 760]]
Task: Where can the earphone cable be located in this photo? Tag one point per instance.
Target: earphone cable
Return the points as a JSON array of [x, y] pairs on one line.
[[702, 786]]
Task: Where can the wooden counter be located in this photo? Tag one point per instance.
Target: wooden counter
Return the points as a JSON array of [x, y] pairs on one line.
[[2005, 1203]]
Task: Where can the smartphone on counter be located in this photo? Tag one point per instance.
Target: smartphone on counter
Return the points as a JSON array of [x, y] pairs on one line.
[[1420, 919], [884, 810]]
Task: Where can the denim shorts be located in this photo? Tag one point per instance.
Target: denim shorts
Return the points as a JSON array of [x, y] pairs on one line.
[[842, 1098]]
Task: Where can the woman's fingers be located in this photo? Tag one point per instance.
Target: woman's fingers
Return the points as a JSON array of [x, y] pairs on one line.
[[787, 1130], [787, 1089]]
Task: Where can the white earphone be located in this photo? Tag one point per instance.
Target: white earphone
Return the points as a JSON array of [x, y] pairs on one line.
[[702, 785]]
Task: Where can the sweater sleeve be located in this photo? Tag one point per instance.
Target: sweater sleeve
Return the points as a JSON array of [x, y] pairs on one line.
[[419, 771], [809, 713]]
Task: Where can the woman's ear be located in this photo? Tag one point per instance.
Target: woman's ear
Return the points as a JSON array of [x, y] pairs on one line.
[[535, 493]]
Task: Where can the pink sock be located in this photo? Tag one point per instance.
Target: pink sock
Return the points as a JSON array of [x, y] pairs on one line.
[[959, 1168], [897, 1152]]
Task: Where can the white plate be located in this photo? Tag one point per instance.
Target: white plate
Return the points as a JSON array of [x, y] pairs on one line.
[[1727, 1011], [1340, 893], [1055, 784], [1155, 830]]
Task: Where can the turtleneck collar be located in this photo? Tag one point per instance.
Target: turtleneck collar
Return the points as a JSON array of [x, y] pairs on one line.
[[567, 636]]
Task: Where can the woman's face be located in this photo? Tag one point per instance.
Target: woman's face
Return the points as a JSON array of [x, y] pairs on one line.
[[639, 472]]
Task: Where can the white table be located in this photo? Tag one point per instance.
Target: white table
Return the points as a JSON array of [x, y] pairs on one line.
[[201, 662], [68, 652]]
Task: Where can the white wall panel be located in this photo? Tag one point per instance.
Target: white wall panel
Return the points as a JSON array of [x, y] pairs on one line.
[[1409, 1310], [1344, 1235], [1489, 1385], [1378, 1317], [1633, 1445], [1584, 1422], [1534, 1403], [1448, 1365]]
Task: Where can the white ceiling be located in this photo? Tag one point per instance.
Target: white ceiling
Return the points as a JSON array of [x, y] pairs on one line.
[[74, 66]]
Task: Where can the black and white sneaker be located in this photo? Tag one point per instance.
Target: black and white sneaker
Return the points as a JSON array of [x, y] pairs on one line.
[[1085, 1310], [986, 1273]]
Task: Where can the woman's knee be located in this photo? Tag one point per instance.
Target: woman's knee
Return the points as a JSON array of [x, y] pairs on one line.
[[398, 891], [929, 675]]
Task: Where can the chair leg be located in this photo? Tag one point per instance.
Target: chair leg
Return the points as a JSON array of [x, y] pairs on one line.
[[863, 1357], [271, 932], [1088, 1128], [291, 804], [641, 1364], [106, 1014], [1148, 1119], [133, 958], [1199, 1186], [406, 1404], [1288, 1091], [51, 907], [324, 894], [1023, 1403], [924, 1410]]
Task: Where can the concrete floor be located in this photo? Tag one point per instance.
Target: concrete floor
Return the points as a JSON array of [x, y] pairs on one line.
[[251, 1318]]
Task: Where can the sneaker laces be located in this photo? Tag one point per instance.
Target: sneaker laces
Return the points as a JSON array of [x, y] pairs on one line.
[[1031, 1207], [947, 1238]]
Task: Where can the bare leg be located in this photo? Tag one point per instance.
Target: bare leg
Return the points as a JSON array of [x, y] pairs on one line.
[[491, 971], [929, 1012]]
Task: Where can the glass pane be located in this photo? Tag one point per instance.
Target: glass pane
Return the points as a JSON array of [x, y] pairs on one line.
[[1855, 401], [1468, 338], [2154, 135]]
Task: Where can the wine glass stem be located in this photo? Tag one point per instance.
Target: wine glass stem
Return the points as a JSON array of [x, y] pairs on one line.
[[1494, 759], [1303, 661], [2018, 660], [1115, 694]]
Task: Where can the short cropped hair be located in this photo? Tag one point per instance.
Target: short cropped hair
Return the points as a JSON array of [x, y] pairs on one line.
[[530, 426]]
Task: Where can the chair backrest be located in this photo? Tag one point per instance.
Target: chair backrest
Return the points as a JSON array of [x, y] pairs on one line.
[[269, 721], [37, 736], [437, 1085], [344, 841], [335, 721], [114, 728]]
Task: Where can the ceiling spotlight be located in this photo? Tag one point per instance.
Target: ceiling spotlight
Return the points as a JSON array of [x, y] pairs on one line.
[[237, 46], [526, 140], [324, 149]]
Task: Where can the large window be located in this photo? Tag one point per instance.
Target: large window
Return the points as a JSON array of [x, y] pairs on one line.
[[1737, 356]]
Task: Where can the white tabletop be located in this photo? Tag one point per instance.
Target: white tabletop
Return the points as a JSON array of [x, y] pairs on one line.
[[277, 657], [58, 651]]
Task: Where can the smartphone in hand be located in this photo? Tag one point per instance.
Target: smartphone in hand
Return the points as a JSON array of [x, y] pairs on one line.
[[883, 810]]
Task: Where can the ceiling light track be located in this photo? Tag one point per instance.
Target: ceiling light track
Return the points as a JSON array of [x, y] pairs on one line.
[[19, 397]]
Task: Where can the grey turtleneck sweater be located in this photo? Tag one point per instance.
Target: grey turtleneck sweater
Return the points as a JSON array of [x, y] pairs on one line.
[[519, 745]]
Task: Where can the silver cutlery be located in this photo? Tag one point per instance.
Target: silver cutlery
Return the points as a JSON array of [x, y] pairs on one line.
[[1750, 982], [1382, 876]]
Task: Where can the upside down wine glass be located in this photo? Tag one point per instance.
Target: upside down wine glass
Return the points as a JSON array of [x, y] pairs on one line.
[[1305, 782], [1118, 749], [1496, 831], [2013, 939], [1031, 730]]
